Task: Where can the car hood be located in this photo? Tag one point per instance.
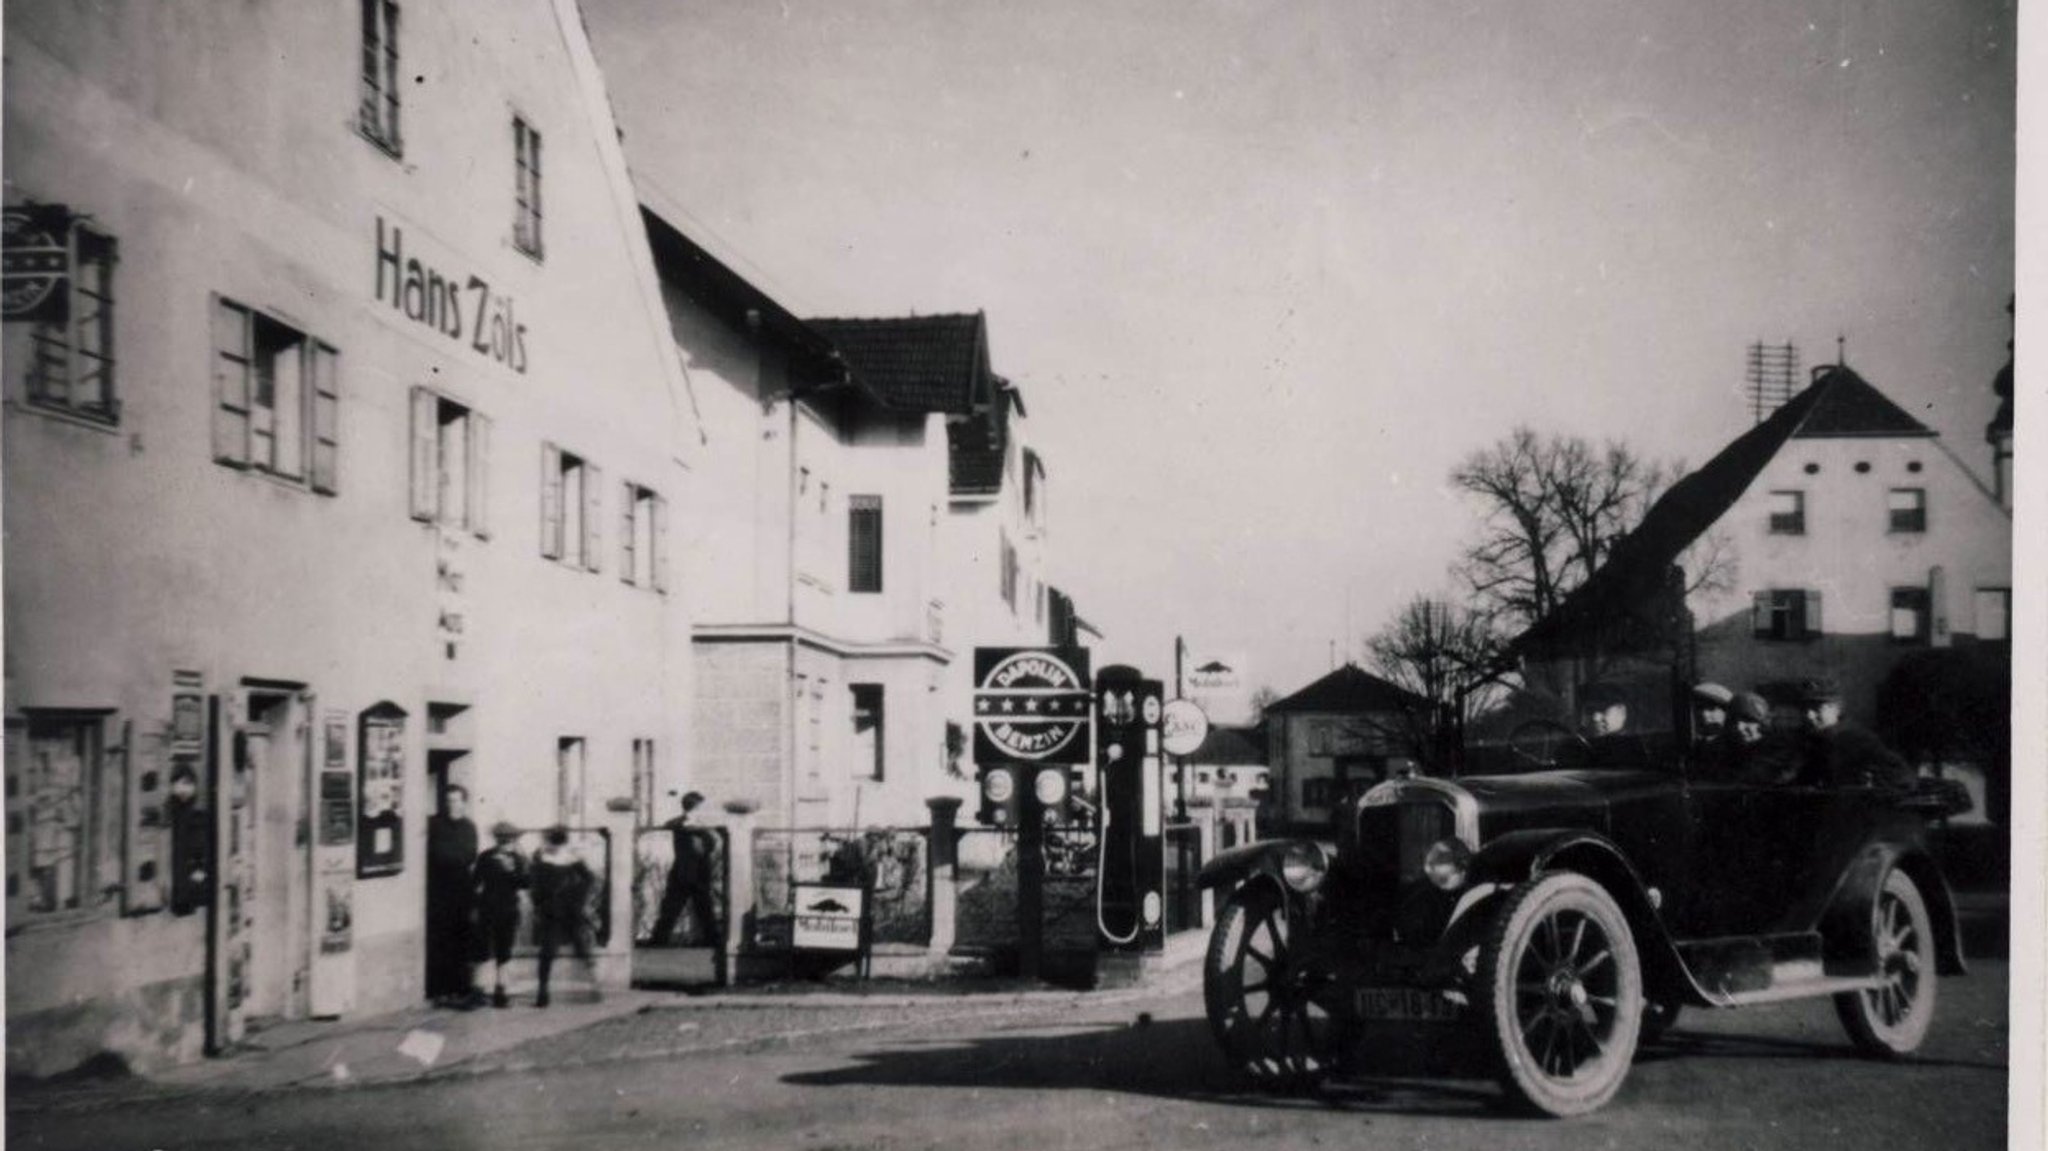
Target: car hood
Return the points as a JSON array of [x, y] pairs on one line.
[[1572, 798]]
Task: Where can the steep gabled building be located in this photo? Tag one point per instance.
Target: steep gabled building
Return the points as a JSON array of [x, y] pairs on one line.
[[1329, 741]]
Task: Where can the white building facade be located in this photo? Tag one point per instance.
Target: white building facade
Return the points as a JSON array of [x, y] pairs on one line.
[[346, 480]]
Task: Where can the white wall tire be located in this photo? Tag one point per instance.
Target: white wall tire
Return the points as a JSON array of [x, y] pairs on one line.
[[1891, 1021]]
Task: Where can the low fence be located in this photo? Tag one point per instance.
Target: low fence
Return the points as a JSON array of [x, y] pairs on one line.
[[654, 855]]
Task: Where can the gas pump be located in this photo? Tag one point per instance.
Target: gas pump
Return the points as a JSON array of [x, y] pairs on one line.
[[1131, 866]]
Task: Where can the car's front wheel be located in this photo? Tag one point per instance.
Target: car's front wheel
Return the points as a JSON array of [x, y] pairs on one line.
[[1271, 1012], [1561, 994], [1891, 1019]]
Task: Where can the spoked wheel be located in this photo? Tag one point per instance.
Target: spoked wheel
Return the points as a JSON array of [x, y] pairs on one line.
[[1271, 1013], [1890, 1020], [1561, 994]]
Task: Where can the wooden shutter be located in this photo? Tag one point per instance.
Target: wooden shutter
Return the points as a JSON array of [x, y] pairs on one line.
[[593, 508], [864, 543], [326, 420], [426, 454], [629, 504], [550, 501], [1810, 625], [147, 828], [109, 824], [479, 485], [230, 384], [658, 566]]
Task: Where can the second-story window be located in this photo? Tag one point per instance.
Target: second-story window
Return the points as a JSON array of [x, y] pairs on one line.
[[1910, 612], [1785, 614], [451, 463], [643, 528], [277, 398], [1908, 507], [570, 494], [71, 364], [377, 116], [864, 543], [1788, 513], [526, 187]]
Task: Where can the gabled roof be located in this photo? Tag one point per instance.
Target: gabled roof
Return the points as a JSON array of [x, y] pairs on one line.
[[1230, 747], [920, 363], [1839, 403], [1350, 689], [726, 294]]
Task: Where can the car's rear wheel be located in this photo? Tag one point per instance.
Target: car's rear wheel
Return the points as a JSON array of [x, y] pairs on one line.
[[1560, 992], [1890, 1020], [1271, 1012]]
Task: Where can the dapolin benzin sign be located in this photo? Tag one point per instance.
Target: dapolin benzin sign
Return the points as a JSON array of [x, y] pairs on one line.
[[1031, 703]]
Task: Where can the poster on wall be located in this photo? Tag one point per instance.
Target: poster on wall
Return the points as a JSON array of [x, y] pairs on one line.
[[380, 780]]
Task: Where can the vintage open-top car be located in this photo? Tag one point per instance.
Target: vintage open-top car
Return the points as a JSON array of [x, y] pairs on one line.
[[1557, 916]]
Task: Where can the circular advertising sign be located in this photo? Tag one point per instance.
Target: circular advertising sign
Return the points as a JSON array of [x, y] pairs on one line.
[[1183, 727]]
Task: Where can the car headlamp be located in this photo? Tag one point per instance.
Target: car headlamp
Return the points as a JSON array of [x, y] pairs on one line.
[[1302, 867], [1447, 863]]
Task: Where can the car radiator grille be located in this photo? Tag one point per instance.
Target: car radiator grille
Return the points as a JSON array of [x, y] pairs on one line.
[[1393, 838]]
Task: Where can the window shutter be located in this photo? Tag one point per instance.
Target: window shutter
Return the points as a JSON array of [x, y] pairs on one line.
[[479, 485], [658, 564], [593, 527], [864, 543], [148, 823], [230, 384], [109, 822], [1760, 613], [326, 420], [426, 454], [550, 501], [628, 504], [1810, 626]]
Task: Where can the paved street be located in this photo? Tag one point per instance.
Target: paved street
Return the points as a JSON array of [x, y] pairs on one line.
[[1131, 1069]]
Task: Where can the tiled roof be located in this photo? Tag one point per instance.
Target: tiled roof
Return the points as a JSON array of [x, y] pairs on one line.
[[1350, 689], [1230, 747], [922, 363], [1838, 403]]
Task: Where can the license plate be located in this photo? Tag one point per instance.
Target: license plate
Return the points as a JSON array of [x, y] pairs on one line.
[[1407, 1004]]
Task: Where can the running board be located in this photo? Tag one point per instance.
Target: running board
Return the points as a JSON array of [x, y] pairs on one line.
[[1812, 987]]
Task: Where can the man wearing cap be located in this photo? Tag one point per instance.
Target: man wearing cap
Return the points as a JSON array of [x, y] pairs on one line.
[[1839, 753], [1603, 724], [501, 873], [1752, 752], [1709, 715], [689, 878]]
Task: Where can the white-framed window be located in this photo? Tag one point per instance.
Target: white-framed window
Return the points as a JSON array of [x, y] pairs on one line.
[[526, 219], [569, 781], [1993, 609], [869, 753], [1907, 509], [643, 537], [1785, 614], [71, 360], [1788, 513], [377, 111], [451, 458], [1911, 613], [65, 796], [277, 398], [571, 492], [864, 543]]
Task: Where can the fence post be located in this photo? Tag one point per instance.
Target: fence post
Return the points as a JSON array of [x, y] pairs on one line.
[[942, 858], [739, 885], [1208, 821]]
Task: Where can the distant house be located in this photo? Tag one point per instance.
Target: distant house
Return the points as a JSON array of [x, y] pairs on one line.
[[1856, 537], [1229, 774], [1333, 739]]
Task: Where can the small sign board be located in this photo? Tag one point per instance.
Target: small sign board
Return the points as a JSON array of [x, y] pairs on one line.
[[1183, 727], [828, 916]]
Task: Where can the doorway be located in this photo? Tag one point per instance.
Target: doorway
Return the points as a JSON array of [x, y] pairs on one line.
[[451, 847], [275, 738]]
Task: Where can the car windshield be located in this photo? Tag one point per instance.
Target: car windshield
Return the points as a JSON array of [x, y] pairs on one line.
[[1624, 719]]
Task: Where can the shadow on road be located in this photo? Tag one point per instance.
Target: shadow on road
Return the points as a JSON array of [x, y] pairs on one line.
[[1681, 1044]]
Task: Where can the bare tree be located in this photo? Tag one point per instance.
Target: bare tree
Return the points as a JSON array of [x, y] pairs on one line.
[[1448, 656], [1262, 699]]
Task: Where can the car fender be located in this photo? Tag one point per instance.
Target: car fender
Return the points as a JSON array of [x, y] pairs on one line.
[[1230, 868], [1520, 856], [1845, 924]]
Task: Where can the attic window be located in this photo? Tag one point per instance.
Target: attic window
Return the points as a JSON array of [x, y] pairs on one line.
[[1813, 469], [1913, 466], [1862, 467]]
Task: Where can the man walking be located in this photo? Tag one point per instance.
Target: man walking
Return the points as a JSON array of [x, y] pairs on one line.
[[689, 877]]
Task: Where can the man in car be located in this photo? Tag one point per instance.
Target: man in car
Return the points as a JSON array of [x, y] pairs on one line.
[[1603, 724], [1838, 753], [1709, 714]]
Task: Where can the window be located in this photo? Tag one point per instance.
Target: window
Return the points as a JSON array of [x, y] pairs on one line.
[[277, 398], [569, 780], [526, 187], [1318, 792], [1908, 508], [1785, 614], [451, 456], [864, 543], [867, 730], [1788, 513], [377, 117], [643, 538], [1910, 611], [644, 783], [1319, 733], [1009, 572], [1994, 614], [71, 363], [570, 492], [64, 815]]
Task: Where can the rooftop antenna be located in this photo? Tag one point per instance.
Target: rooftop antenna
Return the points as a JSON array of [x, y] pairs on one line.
[[1773, 377], [1841, 350]]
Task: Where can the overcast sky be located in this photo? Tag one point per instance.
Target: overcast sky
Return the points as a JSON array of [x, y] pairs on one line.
[[1265, 271]]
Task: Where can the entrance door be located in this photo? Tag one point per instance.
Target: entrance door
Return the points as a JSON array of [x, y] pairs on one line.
[[278, 750]]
